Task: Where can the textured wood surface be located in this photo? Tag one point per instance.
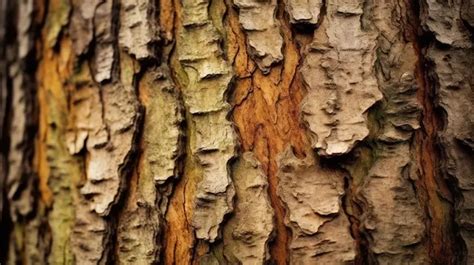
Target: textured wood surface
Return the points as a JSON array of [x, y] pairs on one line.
[[236, 132]]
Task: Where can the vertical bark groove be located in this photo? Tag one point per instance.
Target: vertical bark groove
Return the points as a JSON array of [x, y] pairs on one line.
[[448, 56], [208, 77], [236, 132], [266, 114]]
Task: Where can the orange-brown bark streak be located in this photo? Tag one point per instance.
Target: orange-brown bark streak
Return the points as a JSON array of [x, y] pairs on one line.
[[53, 71], [432, 189], [179, 237], [440, 223], [266, 113]]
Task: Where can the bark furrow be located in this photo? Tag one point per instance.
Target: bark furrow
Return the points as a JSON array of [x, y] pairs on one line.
[[236, 132]]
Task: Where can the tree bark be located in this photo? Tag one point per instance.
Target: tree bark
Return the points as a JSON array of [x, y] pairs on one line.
[[236, 132]]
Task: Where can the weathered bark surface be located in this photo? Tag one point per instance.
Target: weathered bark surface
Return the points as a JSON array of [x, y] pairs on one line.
[[249, 231], [262, 32], [236, 132], [450, 57], [313, 198], [339, 73]]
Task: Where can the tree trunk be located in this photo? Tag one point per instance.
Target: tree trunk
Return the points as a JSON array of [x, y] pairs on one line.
[[236, 132]]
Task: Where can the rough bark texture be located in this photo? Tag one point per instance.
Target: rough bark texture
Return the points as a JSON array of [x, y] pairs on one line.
[[313, 198], [236, 132], [339, 72], [249, 231]]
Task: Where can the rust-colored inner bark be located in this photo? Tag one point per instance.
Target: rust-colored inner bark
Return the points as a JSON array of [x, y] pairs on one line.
[[266, 114], [431, 187], [179, 237]]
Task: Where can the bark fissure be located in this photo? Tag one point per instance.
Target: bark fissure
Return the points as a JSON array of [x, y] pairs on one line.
[[439, 201], [236, 131], [255, 89], [446, 55], [178, 246]]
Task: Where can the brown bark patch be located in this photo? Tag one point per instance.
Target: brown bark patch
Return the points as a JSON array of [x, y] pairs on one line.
[[266, 113]]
